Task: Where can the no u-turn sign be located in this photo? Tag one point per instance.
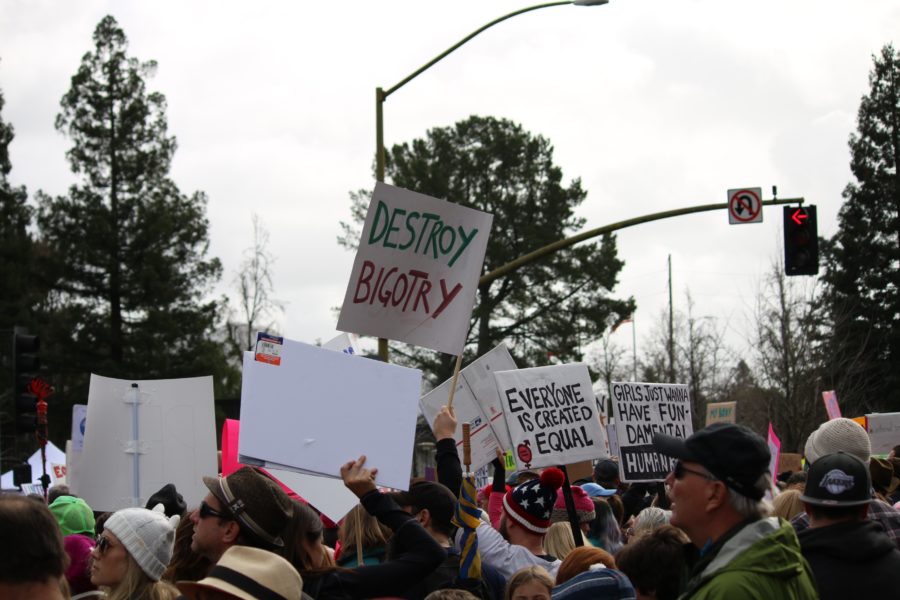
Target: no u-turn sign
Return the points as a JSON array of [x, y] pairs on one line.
[[745, 206]]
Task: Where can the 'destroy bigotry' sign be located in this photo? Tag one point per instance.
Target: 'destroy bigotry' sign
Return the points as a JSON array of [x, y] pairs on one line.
[[551, 414], [642, 410], [416, 270]]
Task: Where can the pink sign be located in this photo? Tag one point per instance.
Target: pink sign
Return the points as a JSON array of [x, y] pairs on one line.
[[831, 405], [775, 450], [231, 432]]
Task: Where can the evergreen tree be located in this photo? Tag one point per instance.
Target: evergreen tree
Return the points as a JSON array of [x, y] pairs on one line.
[[127, 250], [549, 308], [862, 273], [17, 284]]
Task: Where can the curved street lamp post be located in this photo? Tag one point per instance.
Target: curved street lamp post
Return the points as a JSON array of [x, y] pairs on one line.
[[381, 95]]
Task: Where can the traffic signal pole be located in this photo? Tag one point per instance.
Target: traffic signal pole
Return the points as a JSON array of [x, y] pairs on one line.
[[529, 258]]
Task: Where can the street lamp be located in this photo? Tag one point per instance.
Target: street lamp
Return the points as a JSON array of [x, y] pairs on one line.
[[381, 95]]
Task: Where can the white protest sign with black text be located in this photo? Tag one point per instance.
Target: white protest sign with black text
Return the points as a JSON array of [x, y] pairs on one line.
[[416, 270], [552, 415], [641, 410], [884, 431]]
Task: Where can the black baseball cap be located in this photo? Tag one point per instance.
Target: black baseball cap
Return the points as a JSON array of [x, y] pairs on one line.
[[731, 453], [606, 470], [838, 480], [436, 497]]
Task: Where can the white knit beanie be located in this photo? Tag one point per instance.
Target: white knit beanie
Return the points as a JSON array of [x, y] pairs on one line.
[[148, 536], [838, 435]]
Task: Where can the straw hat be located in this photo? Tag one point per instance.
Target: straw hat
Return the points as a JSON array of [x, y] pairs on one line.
[[249, 573]]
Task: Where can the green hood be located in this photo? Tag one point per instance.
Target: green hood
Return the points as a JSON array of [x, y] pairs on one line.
[[763, 556]]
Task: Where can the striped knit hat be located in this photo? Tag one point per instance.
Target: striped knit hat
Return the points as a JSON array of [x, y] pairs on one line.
[[531, 503], [148, 536]]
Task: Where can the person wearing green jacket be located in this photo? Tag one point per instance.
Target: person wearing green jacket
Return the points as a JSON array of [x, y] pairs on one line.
[[718, 478]]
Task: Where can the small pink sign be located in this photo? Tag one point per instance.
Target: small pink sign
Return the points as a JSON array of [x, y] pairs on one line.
[[775, 450], [831, 405]]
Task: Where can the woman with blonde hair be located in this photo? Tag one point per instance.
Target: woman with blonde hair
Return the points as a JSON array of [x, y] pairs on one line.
[[359, 529], [132, 553], [530, 583], [787, 504], [560, 540]]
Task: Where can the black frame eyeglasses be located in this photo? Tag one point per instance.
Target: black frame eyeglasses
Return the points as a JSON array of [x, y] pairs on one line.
[[208, 511], [679, 471], [103, 544]]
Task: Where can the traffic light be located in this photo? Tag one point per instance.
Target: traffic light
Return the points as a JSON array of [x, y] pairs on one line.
[[26, 364], [801, 241]]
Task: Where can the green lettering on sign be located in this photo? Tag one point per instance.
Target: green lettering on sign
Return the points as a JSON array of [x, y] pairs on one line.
[[510, 462]]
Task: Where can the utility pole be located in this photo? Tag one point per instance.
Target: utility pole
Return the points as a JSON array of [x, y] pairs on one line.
[[671, 329]]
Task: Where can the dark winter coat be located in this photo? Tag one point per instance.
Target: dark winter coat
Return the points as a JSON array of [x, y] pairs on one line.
[[855, 559]]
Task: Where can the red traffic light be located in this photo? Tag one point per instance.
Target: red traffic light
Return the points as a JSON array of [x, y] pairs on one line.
[[799, 216]]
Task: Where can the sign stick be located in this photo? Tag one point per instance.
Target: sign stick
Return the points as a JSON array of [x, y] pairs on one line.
[[467, 445], [359, 535], [570, 508], [455, 379]]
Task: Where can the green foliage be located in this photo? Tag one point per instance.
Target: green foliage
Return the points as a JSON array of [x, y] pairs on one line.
[[126, 249], [548, 308], [17, 284], [862, 274]]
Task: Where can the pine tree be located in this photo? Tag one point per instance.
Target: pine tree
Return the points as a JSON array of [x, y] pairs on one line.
[[547, 309], [128, 262], [862, 273], [17, 286]]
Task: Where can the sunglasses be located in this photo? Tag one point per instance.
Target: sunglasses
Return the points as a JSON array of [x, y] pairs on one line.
[[208, 511], [102, 544], [680, 471]]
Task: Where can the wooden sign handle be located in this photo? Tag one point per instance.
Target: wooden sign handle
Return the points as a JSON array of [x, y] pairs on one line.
[[467, 445]]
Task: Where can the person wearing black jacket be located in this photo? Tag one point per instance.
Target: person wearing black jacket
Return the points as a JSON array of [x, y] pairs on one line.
[[850, 555], [417, 554]]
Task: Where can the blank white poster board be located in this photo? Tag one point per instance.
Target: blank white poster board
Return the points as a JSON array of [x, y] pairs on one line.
[[318, 409], [175, 441]]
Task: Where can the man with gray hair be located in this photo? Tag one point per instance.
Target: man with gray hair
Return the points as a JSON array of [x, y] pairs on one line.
[[717, 483], [848, 436]]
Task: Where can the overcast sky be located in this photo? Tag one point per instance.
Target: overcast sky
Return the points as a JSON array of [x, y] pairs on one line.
[[654, 104]]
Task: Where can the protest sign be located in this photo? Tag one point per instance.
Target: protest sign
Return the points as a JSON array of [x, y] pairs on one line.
[[774, 456], [319, 408], [416, 270], [79, 423], [612, 440], [580, 470], [790, 461], [720, 412], [348, 343], [54, 456], [831, 404], [144, 434], [642, 410], [476, 402], [884, 431], [775, 452], [551, 413]]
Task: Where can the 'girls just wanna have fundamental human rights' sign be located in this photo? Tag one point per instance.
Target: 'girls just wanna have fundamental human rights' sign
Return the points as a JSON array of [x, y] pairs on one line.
[[416, 270], [642, 410]]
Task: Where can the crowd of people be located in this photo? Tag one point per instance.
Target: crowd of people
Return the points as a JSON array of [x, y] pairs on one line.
[[717, 527]]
